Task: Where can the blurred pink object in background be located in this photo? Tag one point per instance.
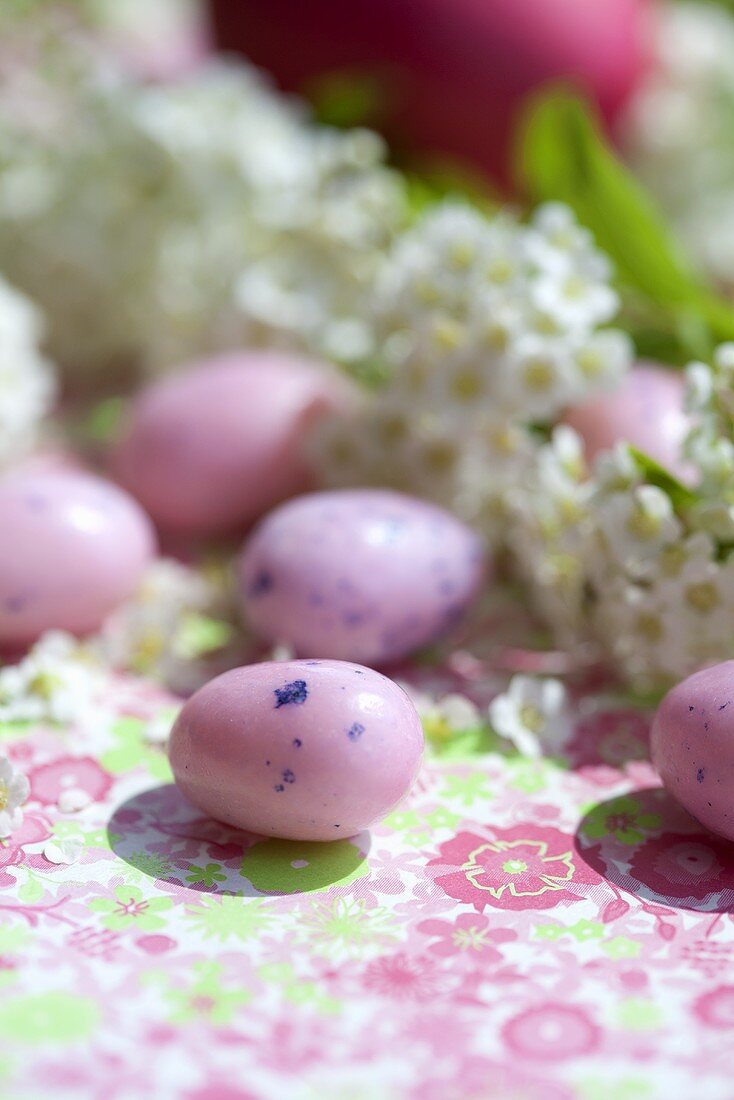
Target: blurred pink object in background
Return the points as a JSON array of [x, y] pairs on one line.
[[452, 73], [647, 410], [214, 446]]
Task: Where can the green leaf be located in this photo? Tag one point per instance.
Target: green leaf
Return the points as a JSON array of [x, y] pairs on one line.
[[200, 634], [681, 496], [348, 97], [563, 156]]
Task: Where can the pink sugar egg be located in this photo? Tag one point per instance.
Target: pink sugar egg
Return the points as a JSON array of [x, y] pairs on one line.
[[305, 750], [692, 744], [72, 548], [211, 448], [647, 409], [363, 574]]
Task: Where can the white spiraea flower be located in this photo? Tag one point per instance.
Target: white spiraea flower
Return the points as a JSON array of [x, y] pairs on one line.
[[177, 617], [14, 791], [530, 714], [179, 218], [484, 325], [58, 681], [27, 381]]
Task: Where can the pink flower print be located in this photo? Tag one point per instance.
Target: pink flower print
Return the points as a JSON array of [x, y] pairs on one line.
[[12, 852], [552, 1033], [80, 772], [716, 1008], [611, 737], [469, 934], [681, 866], [220, 1090], [524, 867], [405, 978], [479, 1079]]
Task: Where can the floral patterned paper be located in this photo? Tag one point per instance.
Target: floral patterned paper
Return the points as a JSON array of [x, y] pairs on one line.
[[553, 929]]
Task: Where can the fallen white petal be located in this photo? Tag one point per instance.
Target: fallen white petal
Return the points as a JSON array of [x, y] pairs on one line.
[[73, 800], [63, 851]]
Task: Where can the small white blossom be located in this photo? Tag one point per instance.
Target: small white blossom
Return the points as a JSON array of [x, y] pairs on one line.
[[58, 681], [62, 852], [175, 619], [27, 382], [530, 714], [14, 791]]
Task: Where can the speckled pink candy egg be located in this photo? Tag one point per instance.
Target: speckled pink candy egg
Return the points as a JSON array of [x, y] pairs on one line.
[[692, 745], [72, 547], [210, 449], [362, 575], [306, 750], [647, 410]]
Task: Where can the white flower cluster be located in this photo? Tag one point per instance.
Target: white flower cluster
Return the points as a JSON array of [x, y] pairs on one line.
[[630, 559], [188, 216], [14, 791], [58, 681], [27, 381], [679, 134], [178, 617], [486, 326]]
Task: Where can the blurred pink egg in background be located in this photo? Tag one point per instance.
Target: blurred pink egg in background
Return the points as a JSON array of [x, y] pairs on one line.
[[647, 410], [73, 547], [211, 448]]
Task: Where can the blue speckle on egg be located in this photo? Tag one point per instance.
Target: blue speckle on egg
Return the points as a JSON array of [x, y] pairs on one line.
[[261, 584], [355, 731], [295, 692], [700, 774], [288, 776]]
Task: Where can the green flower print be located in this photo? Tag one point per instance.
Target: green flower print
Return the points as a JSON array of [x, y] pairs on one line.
[[621, 948], [290, 867], [206, 998], [295, 990], [229, 918], [639, 1014], [209, 876], [628, 1088], [133, 751], [130, 908], [148, 865], [622, 818], [345, 926], [47, 1017], [582, 930], [467, 789]]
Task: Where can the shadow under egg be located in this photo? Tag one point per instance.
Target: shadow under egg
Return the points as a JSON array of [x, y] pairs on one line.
[[164, 837]]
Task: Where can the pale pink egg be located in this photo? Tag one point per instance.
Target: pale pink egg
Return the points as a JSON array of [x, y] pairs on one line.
[[209, 449], [692, 744], [306, 750], [647, 410], [72, 548], [359, 574]]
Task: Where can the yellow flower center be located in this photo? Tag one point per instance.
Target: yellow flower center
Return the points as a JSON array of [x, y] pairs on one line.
[[702, 597], [467, 385], [4, 795], [643, 525], [514, 867], [539, 374], [531, 718]]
